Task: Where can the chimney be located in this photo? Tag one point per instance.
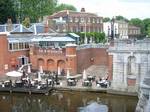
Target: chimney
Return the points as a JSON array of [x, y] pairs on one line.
[[82, 9], [46, 27], [9, 24]]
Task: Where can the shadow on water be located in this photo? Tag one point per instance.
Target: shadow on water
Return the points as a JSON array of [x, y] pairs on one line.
[[66, 102]]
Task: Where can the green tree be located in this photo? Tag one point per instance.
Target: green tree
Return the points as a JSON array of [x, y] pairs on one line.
[[35, 9], [146, 23], [148, 30], [106, 19], [121, 18], [26, 22], [65, 7], [137, 22], [7, 11]]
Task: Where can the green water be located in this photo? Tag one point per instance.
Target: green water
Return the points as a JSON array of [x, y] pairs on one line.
[[64, 102]]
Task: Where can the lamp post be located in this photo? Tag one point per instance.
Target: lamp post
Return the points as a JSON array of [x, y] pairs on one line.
[[85, 38], [112, 28]]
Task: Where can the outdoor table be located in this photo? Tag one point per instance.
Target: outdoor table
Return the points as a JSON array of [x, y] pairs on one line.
[[90, 78], [7, 83], [19, 84], [103, 83], [71, 82], [87, 83]]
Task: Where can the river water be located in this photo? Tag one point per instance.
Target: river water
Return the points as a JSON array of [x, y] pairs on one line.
[[65, 102]]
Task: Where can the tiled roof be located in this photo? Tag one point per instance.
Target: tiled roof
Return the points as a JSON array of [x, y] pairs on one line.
[[72, 13], [14, 39]]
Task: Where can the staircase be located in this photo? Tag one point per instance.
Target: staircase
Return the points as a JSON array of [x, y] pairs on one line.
[[97, 70]]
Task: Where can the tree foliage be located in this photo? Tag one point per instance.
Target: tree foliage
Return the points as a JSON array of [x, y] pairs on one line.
[[26, 22], [64, 7], [96, 37], [121, 18], [34, 9], [7, 11], [106, 19], [137, 22]]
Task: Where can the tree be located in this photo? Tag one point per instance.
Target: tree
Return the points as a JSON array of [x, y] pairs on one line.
[[121, 18], [106, 19], [7, 11], [26, 22], [35, 9], [146, 23], [148, 30], [65, 7], [138, 22]]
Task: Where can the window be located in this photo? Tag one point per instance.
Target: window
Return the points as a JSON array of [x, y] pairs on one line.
[[26, 45], [97, 20], [10, 46], [71, 19], [82, 20], [89, 20], [93, 20], [76, 19], [15, 46]]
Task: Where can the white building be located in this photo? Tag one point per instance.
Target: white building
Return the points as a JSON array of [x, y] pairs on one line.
[[131, 61], [120, 29]]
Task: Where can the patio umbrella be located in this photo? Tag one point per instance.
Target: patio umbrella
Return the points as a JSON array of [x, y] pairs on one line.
[[14, 74], [68, 74], [29, 69], [84, 75], [41, 69], [39, 76], [58, 71]]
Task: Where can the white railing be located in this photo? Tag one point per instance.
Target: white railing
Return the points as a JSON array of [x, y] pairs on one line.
[[93, 45]]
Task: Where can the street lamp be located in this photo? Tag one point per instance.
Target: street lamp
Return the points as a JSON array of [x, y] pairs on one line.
[[112, 28], [85, 31]]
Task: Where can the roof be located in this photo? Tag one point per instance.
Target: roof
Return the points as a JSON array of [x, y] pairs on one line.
[[65, 13], [15, 40], [21, 29], [74, 35], [54, 39], [37, 28], [71, 45], [2, 28], [22, 38]]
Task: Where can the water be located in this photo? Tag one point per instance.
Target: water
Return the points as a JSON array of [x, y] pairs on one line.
[[65, 102]]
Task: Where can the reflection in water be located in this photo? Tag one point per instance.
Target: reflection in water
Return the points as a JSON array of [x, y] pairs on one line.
[[65, 102]]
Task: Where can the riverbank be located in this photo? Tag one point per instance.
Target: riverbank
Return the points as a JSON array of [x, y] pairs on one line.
[[96, 89]]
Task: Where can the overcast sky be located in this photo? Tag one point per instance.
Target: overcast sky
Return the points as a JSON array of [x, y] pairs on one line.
[[110, 8]]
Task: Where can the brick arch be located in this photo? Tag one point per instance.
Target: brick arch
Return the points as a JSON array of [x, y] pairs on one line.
[[40, 62], [50, 65], [61, 64]]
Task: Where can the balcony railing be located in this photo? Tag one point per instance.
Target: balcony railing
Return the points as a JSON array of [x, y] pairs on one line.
[[93, 45]]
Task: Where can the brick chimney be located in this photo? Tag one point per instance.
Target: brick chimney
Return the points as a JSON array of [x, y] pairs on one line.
[[46, 27], [9, 24], [82, 9]]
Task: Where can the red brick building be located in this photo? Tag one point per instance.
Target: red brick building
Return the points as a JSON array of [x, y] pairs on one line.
[[51, 51], [71, 21]]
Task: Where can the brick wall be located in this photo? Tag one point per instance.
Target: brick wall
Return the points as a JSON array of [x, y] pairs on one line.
[[91, 56]]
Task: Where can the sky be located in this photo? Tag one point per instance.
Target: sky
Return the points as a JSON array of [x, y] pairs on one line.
[[109, 8]]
